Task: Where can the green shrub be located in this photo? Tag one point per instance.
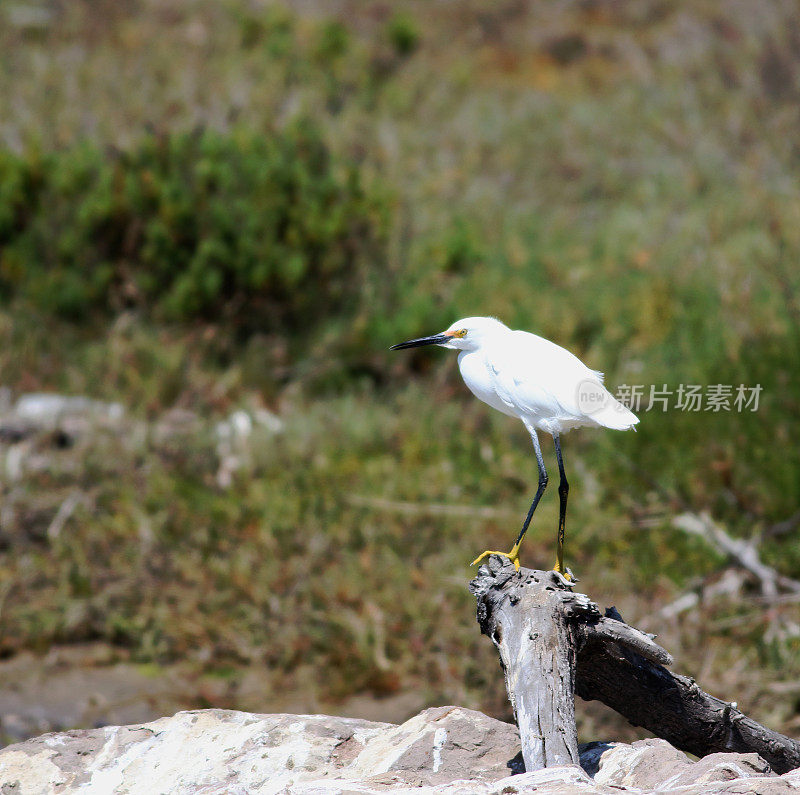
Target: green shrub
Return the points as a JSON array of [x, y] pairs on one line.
[[268, 232], [403, 34], [332, 43], [274, 28]]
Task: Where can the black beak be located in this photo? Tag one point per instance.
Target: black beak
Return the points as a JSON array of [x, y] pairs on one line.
[[436, 339]]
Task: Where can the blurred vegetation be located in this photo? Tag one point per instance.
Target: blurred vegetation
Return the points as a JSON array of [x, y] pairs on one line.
[[226, 227], [621, 178]]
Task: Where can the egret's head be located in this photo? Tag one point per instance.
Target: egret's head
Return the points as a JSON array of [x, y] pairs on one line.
[[464, 335]]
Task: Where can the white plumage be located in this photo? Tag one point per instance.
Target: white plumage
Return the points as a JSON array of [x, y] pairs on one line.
[[531, 378], [537, 381]]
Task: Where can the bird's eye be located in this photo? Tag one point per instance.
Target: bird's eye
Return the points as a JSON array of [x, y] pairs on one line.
[[461, 333]]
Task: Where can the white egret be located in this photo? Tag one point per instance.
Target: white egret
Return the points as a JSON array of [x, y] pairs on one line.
[[540, 383]]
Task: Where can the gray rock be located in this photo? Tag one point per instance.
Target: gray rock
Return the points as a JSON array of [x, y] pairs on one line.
[[219, 750], [644, 764], [655, 766], [440, 745], [43, 412], [447, 750], [45, 409], [724, 767]]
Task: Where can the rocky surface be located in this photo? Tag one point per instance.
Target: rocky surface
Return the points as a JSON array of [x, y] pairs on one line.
[[445, 750]]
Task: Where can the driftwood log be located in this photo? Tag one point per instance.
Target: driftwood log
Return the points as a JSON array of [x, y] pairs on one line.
[[554, 643]]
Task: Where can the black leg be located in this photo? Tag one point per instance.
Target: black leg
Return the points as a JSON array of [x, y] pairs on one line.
[[563, 493], [539, 491], [513, 555]]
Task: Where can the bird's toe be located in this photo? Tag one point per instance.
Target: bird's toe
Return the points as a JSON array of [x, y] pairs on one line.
[[512, 557], [485, 555], [566, 575]]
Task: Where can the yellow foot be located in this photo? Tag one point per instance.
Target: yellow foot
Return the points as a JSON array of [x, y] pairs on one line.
[[565, 572], [513, 556]]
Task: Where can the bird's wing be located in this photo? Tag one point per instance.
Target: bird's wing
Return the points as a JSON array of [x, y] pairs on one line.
[[536, 376]]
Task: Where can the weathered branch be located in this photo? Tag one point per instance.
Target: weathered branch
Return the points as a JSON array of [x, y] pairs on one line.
[[742, 552], [554, 643], [529, 627]]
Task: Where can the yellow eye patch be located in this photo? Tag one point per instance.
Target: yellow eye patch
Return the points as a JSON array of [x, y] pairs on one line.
[[462, 332]]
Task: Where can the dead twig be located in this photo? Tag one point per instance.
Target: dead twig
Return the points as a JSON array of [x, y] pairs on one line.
[[742, 552], [64, 512], [782, 528]]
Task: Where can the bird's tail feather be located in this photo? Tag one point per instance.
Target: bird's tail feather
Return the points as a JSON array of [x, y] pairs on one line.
[[616, 416]]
